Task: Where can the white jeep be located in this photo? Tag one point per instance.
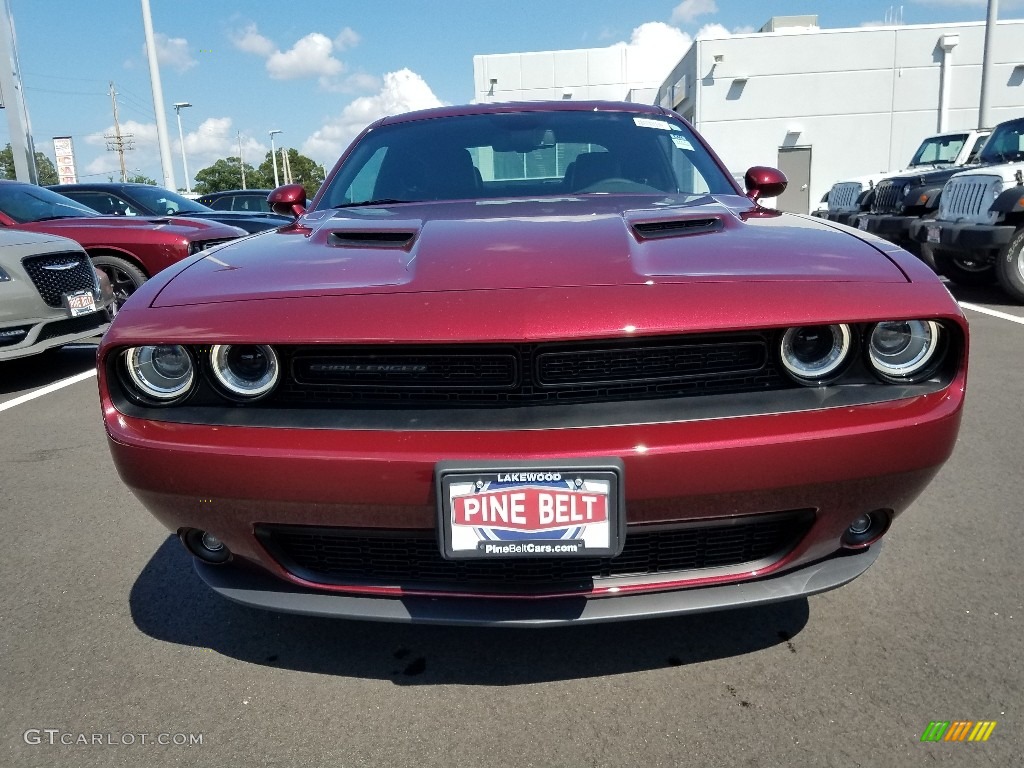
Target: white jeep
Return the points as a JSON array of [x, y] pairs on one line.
[[849, 197], [978, 234]]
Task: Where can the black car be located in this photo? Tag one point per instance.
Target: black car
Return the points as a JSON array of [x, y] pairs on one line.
[[248, 200], [123, 199]]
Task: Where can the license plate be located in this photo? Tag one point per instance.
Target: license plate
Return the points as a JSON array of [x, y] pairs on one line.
[[862, 223], [933, 234], [80, 303], [510, 509]]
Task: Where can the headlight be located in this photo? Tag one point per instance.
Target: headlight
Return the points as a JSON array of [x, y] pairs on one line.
[[163, 372], [244, 370], [811, 353], [903, 349], [906, 189]]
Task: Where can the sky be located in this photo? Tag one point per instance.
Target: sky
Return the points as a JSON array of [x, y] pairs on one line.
[[321, 70]]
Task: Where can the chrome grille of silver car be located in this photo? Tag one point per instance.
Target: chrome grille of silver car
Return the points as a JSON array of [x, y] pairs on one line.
[[968, 199], [843, 196], [58, 273]]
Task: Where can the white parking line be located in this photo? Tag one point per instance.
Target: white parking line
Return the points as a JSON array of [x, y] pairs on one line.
[[48, 389], [993, 313]]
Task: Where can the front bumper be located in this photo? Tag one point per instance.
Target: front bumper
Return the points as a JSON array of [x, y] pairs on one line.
[[839, 462], [961, 237], [259, 590], [895, 229], [37, 335]]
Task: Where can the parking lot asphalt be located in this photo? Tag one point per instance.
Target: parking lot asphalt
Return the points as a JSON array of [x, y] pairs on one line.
[[106, 632]]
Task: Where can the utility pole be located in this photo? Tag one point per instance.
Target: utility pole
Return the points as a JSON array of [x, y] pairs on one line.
[[118, 142], [241, 162]]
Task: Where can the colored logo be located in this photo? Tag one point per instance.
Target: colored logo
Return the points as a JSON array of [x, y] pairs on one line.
[[958, 730]]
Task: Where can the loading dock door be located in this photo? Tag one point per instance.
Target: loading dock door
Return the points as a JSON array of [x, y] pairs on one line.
[[795, 162]]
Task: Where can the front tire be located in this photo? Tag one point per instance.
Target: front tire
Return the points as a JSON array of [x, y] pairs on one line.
[[964, 268], [1010, 267], [125, 278]]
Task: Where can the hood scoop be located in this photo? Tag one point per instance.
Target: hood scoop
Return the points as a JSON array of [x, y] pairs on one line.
[[352, 238], [655, 230]]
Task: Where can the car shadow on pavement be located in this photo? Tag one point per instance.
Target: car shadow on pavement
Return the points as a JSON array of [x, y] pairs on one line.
[[170, 602], [26, 373]]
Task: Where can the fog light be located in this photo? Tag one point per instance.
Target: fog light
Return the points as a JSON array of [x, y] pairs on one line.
[[857, 527], [867, 529], [205, 546]]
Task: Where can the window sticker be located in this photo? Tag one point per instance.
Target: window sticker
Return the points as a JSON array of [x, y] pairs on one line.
[[682, 142], [650, 122]]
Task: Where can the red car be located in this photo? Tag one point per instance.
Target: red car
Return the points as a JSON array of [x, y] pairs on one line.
[[533, 364], [128, 251]]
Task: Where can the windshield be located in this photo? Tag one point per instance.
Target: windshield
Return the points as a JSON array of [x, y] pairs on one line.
[[26, 202], [162, 202], [1005, 145], [525, 154], [939, 150]]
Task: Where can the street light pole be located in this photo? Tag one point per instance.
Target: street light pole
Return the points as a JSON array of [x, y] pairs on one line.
[[273, 155], [178, 106], [241, 162]]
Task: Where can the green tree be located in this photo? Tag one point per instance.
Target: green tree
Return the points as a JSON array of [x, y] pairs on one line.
[[137, 178], [226, 174], [305, 171], [44, 166]]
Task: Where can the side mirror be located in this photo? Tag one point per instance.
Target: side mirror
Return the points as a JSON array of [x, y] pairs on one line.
[[289, 200], [762, 181]]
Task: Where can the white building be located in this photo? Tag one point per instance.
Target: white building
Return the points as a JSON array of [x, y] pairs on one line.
[[829, 104], [822, 104], [615, 73]]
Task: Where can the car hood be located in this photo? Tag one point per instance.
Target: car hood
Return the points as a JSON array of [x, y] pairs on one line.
[[186, 227], [512, 244], [932, 178]]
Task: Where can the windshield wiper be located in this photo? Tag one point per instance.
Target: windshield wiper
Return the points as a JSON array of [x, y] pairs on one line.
[[378, 201], [62, 216]]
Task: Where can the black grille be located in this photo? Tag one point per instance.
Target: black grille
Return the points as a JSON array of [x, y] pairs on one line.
[[79, 324], [201, 245], [339, 555], [527, 374], [887, 197], [53, 277], [658, 229]]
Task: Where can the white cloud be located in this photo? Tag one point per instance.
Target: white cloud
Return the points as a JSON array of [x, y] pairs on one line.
[[347, 38], [712, 31], [746, 29], [251, 41], [688, 10], [653, 49], [214, 139], [172, 52], [402, 91], [311, 56]]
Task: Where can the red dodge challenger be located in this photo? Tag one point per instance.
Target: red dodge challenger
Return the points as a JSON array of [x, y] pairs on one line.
[[532, 364]]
